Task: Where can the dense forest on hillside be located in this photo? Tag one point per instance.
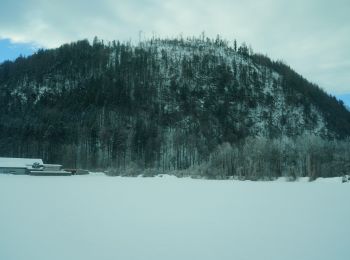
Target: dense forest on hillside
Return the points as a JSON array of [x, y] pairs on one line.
[[195, 106]]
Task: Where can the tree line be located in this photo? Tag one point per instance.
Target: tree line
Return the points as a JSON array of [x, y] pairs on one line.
[[166, 104]]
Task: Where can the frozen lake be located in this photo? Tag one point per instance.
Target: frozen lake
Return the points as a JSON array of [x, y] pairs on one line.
[[105, 218]]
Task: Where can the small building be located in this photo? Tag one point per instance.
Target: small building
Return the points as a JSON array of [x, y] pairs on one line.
[[14, 170], [36, 167], [52, 167], [19, 166], [50, 173]]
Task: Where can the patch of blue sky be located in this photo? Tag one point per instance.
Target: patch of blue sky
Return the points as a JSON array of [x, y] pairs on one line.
[[10, 50], [345, 98]]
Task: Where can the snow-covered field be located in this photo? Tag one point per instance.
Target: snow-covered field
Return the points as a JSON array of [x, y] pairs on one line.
[[98, 217]]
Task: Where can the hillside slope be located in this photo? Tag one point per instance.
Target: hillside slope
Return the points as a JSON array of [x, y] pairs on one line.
[[165, 104]]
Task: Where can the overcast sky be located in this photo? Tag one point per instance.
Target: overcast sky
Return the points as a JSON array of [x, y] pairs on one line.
[[313, 36]]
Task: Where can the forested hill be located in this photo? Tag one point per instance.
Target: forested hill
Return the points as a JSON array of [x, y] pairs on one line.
[[165, 104]]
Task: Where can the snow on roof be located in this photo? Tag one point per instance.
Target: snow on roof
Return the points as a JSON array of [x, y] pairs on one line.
[[6, 162]]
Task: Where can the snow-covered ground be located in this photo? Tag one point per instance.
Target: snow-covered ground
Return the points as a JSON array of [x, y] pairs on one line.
[[98, 217]]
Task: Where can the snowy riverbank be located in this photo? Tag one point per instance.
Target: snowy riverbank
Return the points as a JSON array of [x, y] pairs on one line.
[[100, 217]]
